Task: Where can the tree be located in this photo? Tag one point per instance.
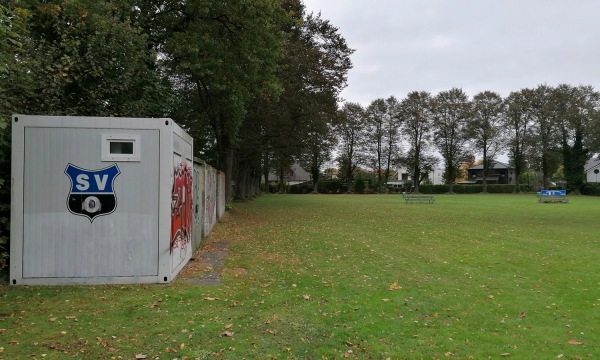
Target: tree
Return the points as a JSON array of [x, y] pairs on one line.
[[545, 153], [382, 124], [416, 114], [376, 113], [313, 73], [391, 148], [224, 55], [317, 149], [575, 109], [93, 61], [518, 122], [351, 137], [485, 128], [451, 112], [16, 88]]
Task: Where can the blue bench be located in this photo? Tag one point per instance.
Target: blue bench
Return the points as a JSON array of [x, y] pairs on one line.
[[552, 196]]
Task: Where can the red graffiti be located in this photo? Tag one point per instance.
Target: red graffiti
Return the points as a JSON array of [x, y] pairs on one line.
[[181, 207]]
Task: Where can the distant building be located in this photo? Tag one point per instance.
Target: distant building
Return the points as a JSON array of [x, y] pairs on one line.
[[500, 173], [293, 175], [592, 170], [436, 177]]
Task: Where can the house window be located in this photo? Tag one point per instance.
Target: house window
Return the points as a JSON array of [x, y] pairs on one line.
[[120, 147]]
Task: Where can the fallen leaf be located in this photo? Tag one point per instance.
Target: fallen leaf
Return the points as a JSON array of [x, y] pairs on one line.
[[211, 298], [522, 314], [306, 297], [228, 326], [70, 317], [385, 300], [227, 333], [560, 356], [505, 354], [573, 342], [53, 319], [395, 286], [140, 356]]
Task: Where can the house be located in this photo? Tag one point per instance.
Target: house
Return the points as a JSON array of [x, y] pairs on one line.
[[592, 170], [294, 175], [402, 175], [500, 173], [436, 176]]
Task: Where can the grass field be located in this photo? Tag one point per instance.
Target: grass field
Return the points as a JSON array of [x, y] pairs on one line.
[[347, 276]]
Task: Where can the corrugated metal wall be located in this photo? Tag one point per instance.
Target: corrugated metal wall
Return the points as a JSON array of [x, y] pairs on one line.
[[210, 199], [220, 194], [82, 214], [199, 168], [58, 244]]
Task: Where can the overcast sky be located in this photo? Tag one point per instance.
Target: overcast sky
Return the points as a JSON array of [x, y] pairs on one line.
[[435, 45]]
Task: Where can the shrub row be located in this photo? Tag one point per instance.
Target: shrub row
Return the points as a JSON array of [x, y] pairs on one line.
[[471, 189], [591, 189]]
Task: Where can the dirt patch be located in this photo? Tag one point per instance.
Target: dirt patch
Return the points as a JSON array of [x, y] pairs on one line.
[[208, 264]]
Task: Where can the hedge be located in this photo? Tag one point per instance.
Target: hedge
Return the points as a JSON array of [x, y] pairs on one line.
[[471, 189], [590, 189]]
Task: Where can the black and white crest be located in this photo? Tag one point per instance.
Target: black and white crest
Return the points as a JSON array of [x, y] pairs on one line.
[[92, 191]]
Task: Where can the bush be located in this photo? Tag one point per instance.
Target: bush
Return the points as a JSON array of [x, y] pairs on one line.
[[591, 190], [333, 186], [524, 188], [433, 189], [360, 186], [303, 188], [468, 189], [4, 195], [500, 189]]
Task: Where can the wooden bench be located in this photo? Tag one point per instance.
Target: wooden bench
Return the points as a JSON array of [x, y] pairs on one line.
[[418, 198], [553, 199]]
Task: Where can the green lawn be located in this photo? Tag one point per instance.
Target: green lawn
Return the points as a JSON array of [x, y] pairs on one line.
[[347, 276]]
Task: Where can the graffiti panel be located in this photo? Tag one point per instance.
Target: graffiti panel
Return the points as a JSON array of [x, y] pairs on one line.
[[181, 211], [210, 186]]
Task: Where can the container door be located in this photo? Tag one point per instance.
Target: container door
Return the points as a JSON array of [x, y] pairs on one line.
[[90, 203]]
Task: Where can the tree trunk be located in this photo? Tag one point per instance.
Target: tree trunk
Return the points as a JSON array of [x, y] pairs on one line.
[[485, 169], [416, 179], [281, 184], [228, 169], [315, 177], [545, 180], [240, 181], [265, 170], [450, 178]]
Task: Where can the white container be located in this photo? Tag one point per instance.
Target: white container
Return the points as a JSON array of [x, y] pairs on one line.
[[99, 200]]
